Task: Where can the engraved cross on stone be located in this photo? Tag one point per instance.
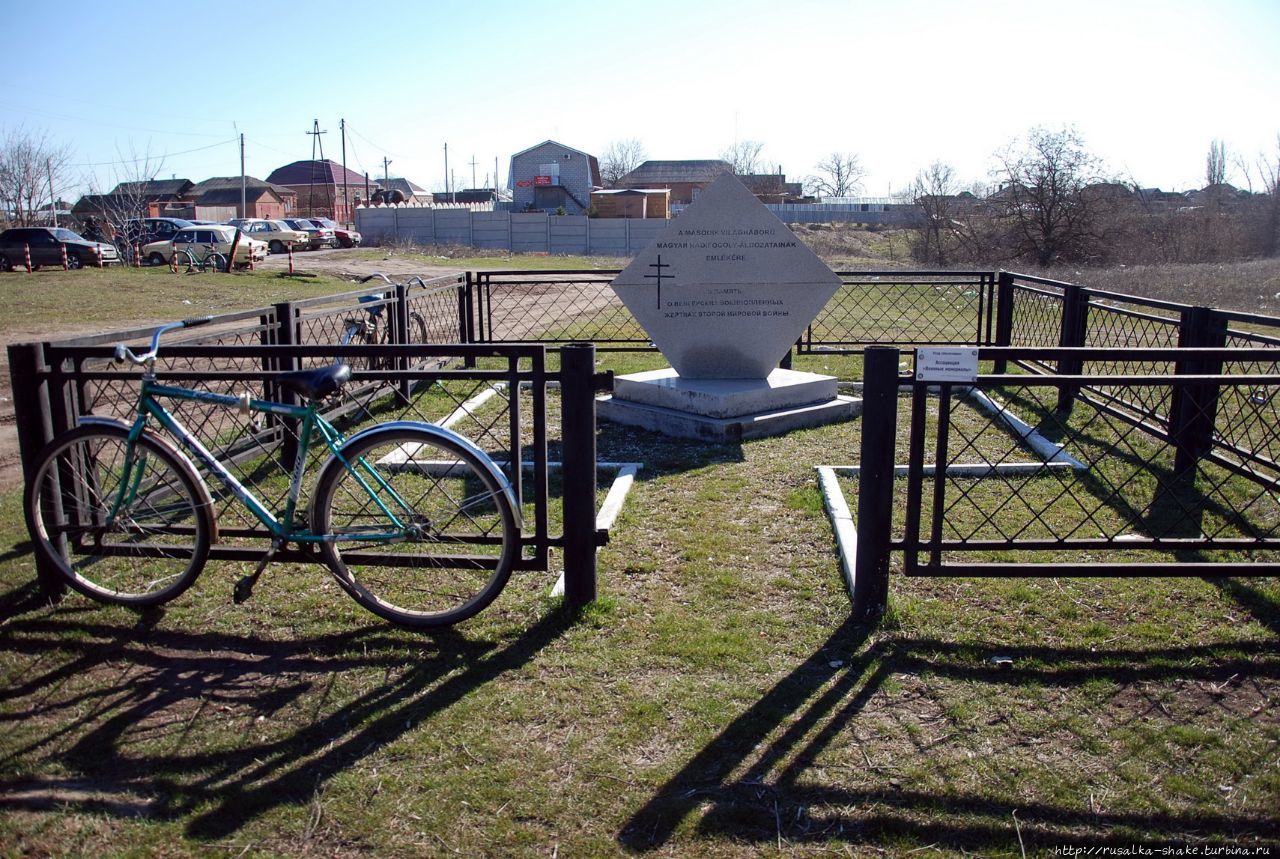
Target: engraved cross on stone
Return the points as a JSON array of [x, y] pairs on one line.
[[659, 265]]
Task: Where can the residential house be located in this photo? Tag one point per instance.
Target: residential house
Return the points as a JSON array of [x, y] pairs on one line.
[[774, 187], [685, 179], [262, 199], [154, 198], [552, 176], [320, 187]]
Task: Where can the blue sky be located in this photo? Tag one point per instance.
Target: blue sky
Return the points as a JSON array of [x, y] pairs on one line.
[[1148, 84]]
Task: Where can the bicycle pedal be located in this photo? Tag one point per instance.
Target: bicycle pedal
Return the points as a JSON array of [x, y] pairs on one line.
[[243, 589]]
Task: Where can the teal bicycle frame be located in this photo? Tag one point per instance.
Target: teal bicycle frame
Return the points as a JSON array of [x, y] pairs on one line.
[[282, 528]]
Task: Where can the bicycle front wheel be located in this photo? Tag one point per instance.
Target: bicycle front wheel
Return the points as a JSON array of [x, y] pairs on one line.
[[124, 525], [449, 550]]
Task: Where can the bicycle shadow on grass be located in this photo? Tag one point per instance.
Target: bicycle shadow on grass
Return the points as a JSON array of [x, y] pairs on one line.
[[767, 778], [154, 688]]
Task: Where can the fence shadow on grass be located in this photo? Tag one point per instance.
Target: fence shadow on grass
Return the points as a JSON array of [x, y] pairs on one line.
[[761, 780], [156, 684]]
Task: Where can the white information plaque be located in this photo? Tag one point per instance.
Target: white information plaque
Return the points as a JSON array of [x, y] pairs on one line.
[[947, 364]]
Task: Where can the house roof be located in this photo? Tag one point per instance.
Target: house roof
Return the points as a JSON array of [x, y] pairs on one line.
[[553, 143], [153, 188], [592, 163], [404, 186], [324, 172], [216, 183], [629, 192], [231, 196], [656, 173]]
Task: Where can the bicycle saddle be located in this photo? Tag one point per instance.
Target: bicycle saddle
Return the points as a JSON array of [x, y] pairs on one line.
[[316, 384]]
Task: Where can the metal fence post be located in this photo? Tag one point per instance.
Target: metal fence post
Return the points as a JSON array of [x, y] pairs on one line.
[[1004, 317], [578, 441], [287, 335], [875, 483], [466, 333], [35, 429], [400, 336], [1193, 408], [1075, 310]]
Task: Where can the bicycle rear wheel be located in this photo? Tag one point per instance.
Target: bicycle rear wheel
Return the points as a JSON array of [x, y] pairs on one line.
[[125, 529], [462, 537], [417, 329]]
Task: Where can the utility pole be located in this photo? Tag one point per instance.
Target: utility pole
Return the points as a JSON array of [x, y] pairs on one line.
[[386, 173], [346, 204], [244, 210], [473, 171], [315, 133], [53, 202], [446, 168], [495, 178]]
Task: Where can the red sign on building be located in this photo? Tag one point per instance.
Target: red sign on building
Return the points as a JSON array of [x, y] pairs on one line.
[[542, 180], [524, 183]]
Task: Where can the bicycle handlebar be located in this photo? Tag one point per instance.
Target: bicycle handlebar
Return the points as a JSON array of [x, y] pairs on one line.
[[124, 353], [378, 274]]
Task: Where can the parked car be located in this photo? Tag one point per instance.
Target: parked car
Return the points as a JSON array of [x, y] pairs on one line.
[[277, 234], [320, 237], [346, 238], [203, 241], [142, 231], [46, 244]]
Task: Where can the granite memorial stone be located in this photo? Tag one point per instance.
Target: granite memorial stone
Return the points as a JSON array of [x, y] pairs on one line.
[[723, 292], [727, 288]]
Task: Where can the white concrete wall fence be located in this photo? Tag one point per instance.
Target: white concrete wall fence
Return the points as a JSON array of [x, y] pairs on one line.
[[539, 232]]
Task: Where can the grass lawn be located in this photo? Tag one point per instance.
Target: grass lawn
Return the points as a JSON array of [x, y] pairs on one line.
[[716, 700], [91, 299]]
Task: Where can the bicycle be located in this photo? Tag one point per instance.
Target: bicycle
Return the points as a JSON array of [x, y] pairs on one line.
[[415, 522], [371, 330], [212, 258]]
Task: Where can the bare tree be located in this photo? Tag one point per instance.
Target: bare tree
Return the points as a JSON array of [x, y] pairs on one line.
[[840, 175], [743, 156], [619, 159], [934, 193], [30, 163], [1269, 174], [128, 198], [1049, 217], [1215, 164]]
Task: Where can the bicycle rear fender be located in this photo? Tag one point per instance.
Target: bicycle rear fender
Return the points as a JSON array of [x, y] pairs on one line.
[[206, 500], [450, 436]]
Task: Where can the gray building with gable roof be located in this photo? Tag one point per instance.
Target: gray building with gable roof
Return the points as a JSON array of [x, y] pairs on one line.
[[551, 176]]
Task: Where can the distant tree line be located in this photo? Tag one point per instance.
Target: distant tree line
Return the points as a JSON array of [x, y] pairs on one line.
[[1051, 201]]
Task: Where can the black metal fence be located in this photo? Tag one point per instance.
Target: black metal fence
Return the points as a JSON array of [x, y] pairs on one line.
[[493, 394], [1010, 476], [551, 307]]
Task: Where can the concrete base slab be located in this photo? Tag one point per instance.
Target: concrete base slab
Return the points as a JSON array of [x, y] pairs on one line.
[[725, 398], [684, 424]]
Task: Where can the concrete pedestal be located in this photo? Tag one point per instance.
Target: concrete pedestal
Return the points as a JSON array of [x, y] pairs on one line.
[[726, 410]]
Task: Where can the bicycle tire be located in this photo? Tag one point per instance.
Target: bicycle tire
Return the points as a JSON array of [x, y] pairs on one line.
[[371, 338], [456, 502], [155, 548], [417, 329], [216, 261]]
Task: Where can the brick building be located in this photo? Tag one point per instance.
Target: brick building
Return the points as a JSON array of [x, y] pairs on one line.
[[553, 176]]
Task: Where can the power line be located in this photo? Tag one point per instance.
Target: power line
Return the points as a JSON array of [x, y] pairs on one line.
[[81, 119], [159, 157], [383, 149]]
